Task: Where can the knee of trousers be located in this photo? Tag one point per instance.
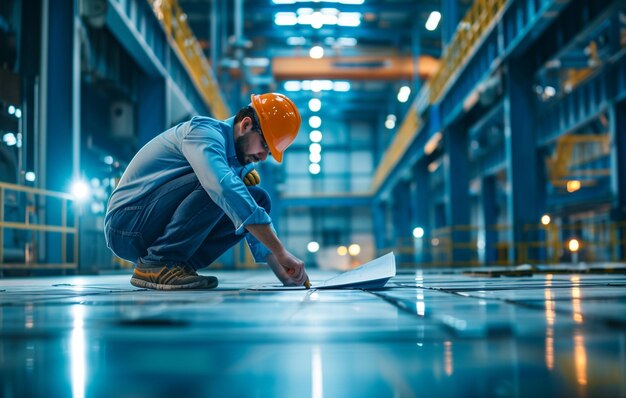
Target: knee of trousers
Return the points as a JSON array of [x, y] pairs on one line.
[[261, 197]]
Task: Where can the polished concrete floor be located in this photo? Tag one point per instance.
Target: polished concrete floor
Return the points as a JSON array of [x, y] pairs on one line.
[[428, 333]]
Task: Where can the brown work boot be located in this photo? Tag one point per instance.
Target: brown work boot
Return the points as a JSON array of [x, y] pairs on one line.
[[175, 277]]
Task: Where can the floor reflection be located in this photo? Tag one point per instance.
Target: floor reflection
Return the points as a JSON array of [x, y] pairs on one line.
[[429, 333]]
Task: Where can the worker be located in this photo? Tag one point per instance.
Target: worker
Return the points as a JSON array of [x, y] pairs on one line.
[[192, 192]]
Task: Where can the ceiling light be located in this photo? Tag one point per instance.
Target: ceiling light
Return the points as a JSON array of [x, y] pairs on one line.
[[315, 148], [354, 249], [433, 20], [315, 136], [418, 232], [296, 41], [390, 124], [404, 93], [30, 176], [313, 246], [316, 52], [315, 121], [349, 19], [341, 86], [292, 85], [342, 250], [285, 19], [315, 104], [314, 168], [315, 157]]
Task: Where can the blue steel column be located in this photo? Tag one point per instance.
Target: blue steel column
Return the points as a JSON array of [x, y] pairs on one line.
[[449, 20], [489, 204], [58, 141], [524, 200], [379, 224], [420, 209], [618, 169], [456, 163], [401, 211], [151, 112]]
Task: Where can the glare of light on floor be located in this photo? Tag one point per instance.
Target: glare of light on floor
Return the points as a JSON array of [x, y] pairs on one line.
[[550, 315], [580, 359], [77, 352], [342, 250], [317, 381], [447, 358], [576, 302], [545, 220]]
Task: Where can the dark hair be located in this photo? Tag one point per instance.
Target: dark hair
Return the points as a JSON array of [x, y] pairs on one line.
[[248, 111]]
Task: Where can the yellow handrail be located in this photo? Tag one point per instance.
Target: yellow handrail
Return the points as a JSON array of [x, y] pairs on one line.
[[188, 50], [30, 258]]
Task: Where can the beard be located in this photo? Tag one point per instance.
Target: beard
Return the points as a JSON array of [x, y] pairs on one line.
[[241, 144]]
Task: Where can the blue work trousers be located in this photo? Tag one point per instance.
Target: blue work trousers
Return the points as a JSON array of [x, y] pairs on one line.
[[177, 223]]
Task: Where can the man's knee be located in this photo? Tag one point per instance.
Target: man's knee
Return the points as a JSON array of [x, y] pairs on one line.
[[261, 197]]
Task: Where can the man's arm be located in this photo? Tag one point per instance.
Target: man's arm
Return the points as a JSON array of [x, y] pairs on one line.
[[288, 268]]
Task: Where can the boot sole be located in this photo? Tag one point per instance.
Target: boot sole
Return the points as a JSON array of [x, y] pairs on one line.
[[203, 284]]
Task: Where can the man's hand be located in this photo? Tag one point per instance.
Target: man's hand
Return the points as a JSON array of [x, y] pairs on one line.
[[250, 176], [288, 269]]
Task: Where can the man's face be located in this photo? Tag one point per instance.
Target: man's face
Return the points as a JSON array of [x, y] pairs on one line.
[[250, 147]]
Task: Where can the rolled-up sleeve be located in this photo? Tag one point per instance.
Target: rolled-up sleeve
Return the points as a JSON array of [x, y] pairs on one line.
[[204, 149]]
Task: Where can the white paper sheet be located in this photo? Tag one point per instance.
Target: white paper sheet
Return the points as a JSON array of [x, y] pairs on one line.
[[371, 275]]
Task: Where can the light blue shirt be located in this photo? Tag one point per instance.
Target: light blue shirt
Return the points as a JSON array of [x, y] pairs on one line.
[[206, 147]]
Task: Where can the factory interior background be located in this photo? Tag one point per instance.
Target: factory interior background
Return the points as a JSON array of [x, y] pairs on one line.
[[482, 142]]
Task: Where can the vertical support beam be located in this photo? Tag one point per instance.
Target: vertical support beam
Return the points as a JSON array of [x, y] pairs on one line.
[[420, 209], [489, 203], [58, 134], [214, 34], [401, 213], [450, 16], [456, 164], [379, 224], [618, 172], [525, 198], [150, 108], [76, 81]]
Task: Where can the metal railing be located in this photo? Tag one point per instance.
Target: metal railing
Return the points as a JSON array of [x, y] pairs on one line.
[[188, 50], [472, 28], [25, 202], [600, 241]]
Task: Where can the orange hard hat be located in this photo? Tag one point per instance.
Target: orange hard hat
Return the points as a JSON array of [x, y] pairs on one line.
[[279, 119]]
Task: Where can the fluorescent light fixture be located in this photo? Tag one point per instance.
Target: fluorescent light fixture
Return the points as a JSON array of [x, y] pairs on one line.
[[315, 122], [341, 86], [315, 136], [285, 19], [319, 85], [315, 148], [433, 20], [317, 20], [292, 85], [315, 104], [314, 168], [296, 41], [315, 157], [404, 93], [284, 1], [316, 52], [351, 1]]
